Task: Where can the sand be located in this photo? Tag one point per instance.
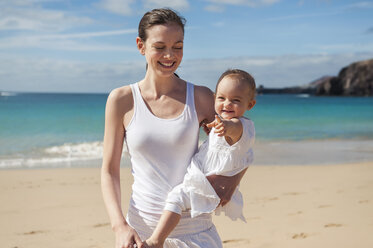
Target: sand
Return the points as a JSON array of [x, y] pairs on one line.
[[286, 206]]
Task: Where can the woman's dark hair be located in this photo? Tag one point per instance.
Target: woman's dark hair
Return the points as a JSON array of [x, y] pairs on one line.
[[242, 76], [158, 17]]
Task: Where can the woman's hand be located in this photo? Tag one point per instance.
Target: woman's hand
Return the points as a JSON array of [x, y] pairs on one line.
[[127, 237], [225, 186]]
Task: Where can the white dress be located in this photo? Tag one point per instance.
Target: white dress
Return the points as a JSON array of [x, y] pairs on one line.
[[215, 156]]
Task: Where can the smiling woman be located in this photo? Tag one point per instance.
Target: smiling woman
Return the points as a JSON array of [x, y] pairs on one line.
[[167, 39], [159, 119], [164, 50]]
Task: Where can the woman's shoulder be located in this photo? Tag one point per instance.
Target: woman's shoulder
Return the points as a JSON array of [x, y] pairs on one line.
[[204, 100], [121, 97], [120, 93], [202, 91]]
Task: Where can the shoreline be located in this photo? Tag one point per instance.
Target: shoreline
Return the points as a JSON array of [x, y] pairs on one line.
[[285, 206], [282, 152], [313, 152]]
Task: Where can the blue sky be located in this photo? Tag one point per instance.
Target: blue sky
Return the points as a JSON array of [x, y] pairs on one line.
[[89, 46]]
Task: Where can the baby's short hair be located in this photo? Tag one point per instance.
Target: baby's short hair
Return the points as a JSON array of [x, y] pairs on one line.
[[242, 76]]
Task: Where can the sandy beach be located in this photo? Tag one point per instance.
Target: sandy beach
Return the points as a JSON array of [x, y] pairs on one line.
[[286, 206]]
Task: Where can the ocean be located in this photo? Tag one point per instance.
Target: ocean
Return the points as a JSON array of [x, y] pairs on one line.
[[66, 130]]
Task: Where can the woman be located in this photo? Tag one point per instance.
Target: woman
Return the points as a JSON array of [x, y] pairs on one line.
[[159, 118]]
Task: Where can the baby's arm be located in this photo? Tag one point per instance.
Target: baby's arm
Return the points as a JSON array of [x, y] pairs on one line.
[[231, 129], [166, 224]]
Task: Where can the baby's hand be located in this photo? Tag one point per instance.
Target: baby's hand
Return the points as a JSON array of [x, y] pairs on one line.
[[152, 243], [221, 126]]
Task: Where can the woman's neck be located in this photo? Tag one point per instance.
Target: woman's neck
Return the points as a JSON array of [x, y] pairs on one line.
[[158, 86]]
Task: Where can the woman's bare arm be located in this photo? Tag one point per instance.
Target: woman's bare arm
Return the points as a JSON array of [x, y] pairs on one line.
[[204, 102], [225, 186], [119, 103]]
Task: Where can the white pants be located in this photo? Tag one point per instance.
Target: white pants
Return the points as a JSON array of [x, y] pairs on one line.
[[197, 232]]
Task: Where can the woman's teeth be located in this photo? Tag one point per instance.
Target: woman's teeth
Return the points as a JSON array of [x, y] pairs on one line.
[[167, 64]]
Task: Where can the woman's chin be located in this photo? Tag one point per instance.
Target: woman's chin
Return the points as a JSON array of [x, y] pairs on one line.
[[166, 73]]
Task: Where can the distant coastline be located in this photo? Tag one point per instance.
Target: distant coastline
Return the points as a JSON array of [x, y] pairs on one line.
[[355, 79], [286, 90]]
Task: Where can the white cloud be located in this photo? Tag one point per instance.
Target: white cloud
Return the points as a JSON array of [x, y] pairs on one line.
[[59, 44], [219, 24], [71, 76], [25, 2], [301, 16], [360, 5], [67, 42], [301, 2], [127, 7], [215, 8], [20, 3], [276, 71], [23, 15], [47, 75], [90, 34], [249, 3], [351, 47], [121, 7], [179, 5]]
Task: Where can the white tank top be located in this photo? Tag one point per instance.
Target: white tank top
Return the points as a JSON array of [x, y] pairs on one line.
[[160, 151]]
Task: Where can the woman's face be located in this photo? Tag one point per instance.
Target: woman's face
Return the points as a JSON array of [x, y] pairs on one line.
[[163, 48]]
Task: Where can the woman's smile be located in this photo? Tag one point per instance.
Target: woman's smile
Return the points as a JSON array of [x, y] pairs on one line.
[[167, 64]]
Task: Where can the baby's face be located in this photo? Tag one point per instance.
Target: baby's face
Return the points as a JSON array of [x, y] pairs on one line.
[[232, 98]]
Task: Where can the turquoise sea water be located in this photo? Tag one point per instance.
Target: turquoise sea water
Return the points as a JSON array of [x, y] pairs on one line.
[[303, 117], [56, 129]]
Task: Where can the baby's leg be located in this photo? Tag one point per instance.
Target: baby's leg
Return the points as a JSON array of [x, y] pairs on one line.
[[166, 224], [177, 201]]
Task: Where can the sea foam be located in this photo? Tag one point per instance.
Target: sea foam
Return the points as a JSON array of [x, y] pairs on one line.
[[67, 155]]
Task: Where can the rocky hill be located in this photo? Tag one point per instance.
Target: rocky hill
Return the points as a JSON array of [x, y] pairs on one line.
[[353, 80]]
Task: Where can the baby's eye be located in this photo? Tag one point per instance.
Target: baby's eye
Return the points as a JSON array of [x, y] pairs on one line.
[[220, 98], [159, 48], [178, 48]]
